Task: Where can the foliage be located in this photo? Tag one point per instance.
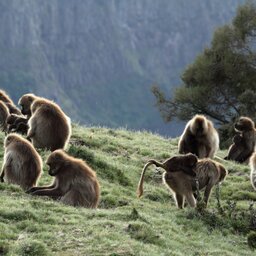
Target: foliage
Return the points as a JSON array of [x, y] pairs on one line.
[[221, 81]]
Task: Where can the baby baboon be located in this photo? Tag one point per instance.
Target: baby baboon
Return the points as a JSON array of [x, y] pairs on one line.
[[17, 123], [253, 170], [75, 182], [244, 142], [25, 102], [199, 137], [4, 113], [183, 185], [49, 127], [22, 164]]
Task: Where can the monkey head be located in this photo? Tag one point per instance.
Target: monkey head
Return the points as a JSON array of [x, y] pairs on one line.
[[198, 125], [11, 138], [25, 103], [244, 124], [184, 163], [36, 104], [11, 118], [4, 97], [56, 161]]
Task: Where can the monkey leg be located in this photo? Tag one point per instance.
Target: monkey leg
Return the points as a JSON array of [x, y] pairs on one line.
[[33, 189], [191, 199], [207, 192], [179, 200], [54, 193]]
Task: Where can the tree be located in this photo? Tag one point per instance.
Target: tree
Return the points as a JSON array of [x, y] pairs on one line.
[[221, 83]]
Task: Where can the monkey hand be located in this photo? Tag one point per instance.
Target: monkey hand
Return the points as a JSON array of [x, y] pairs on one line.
[[31, 190], [2, 179]]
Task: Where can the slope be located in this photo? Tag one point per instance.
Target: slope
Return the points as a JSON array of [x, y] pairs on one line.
[[123, 224]]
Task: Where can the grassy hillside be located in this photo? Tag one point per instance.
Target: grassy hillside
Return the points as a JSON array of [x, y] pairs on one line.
[[123, 224]]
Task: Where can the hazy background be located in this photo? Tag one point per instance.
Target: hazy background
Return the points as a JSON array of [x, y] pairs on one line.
[[99, 58]]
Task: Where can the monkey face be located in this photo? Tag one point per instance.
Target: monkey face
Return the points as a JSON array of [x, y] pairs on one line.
[[198, 126], [55, 162], [25, 103], [244, 124]]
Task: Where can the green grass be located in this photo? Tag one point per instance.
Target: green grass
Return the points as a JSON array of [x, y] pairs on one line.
[[124, 224]]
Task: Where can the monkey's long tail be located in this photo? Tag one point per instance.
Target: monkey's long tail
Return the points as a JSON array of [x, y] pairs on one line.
[[140, 185]]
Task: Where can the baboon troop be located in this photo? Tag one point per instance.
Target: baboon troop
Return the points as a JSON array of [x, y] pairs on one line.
[[199, 137], [182, 182], [243, 142], [22, 164], [75, 182], [44, 125]]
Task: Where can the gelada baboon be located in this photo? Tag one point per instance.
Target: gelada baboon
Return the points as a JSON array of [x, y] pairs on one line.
[[17, 123], [4, 113], [25, 103], [183, 185], [75, 182], [22, 164], [199, 137], [244, 142], [8, 102], [253, 170], [49, 127]]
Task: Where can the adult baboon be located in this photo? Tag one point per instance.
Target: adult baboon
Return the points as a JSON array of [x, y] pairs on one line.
[[199, 137], [4, 113], [49, 127], [244, 142], [75, 182], [184, 185], [253, 170], [22, 164]]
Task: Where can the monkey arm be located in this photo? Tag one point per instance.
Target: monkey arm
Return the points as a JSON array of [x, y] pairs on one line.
[[54, 192], [7, 165], [33, 189], [2, 175]]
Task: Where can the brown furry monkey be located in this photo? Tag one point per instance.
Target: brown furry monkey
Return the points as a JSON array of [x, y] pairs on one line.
[[75, 182], [4, 113], [244, 142], [25, 102], [253, 170], [49, 127], [17, 123], [183, 185], [199, 137], [22, 164]]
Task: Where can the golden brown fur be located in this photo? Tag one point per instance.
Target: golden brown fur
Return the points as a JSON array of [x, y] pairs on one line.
[[5, 98], [183, 185], [22, 164], [4, 113], [199, 137], [253, 170], [49, 127], [244, 142], [75, 182], [25, 102]]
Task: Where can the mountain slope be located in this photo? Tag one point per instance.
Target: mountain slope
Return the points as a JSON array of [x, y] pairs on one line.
[[124, 224], [98, 59]]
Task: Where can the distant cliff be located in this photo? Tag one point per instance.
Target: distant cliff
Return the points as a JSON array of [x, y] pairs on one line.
[[99, 58]]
